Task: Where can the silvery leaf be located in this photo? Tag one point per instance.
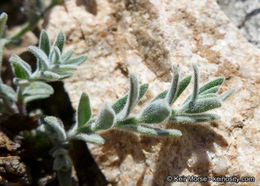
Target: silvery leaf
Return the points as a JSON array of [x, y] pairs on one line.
[[44, 43], [152, 131], [90, 138], [84, 110], [20, 67], [155, 112], [105, 120]]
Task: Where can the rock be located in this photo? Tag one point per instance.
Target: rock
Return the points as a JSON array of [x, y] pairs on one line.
[[12, 170], [146, 38], [246, 16]]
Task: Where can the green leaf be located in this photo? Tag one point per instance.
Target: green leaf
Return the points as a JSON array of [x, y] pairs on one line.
[[210, 95], [37, 90], [201, 105], [51, 76], [8, 92], [213, 83], [55, 55], [195, 84], [60, 41], [41, 56], [151, 131], [105, 120], [132, 98], [44, 43], [142, 90], [77, 61], [155, 112], [162, 95], [120, 103], [84, 110], [172, 92], [67, 67], [54, 128], [182, 86], [3, 20], [226, 94], [66, 56], [210, 90], [90, 138], [193, 118], [20, 67]]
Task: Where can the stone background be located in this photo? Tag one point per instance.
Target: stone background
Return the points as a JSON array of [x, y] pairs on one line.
[[145, 38]]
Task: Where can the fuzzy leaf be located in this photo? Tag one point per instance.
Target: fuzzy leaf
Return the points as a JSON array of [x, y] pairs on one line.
[[155, 112], [66, 56], [84, 110], [120, 103], [142, 90], [132, 98], [172, 92], [201, 105], [105, 120], [216, 82], [193, 118], [162, 95], [90, 138], [37, 90], [53, 127], [60, 41], [226, 94], [210, 90], [195, 84], [3, 20], [152, 131], [210, 95], [44, 43], [76, 61], [41, 56], [8, 92], [67, 67], [51, 76], [55, 55], [182, 86], [20, 67]]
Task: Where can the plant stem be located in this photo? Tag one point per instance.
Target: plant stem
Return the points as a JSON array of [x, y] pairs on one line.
[[21, 32], [20, 103], [2, 45]]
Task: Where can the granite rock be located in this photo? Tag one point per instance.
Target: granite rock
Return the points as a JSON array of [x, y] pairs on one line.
[[246, 16], [146, 38]]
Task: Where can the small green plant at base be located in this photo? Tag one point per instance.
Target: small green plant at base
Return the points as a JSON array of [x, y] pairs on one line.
[[118, 116], [52, 65]]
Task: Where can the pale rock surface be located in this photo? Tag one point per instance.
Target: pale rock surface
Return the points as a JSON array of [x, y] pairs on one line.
[[246, 16], [145, 38]]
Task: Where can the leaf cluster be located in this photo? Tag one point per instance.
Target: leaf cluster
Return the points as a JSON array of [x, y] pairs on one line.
[[158, 110], [52, 64]]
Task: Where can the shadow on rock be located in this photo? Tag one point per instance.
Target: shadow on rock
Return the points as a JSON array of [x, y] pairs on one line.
[[170, 156], [186, 152]]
